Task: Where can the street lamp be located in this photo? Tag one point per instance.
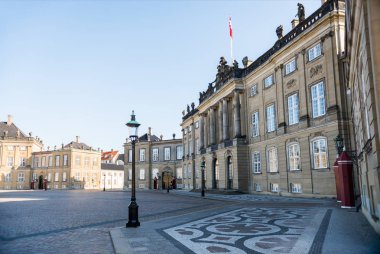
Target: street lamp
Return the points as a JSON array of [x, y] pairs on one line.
[[133, 208], [104, 180], [339, 144], [203, 178]]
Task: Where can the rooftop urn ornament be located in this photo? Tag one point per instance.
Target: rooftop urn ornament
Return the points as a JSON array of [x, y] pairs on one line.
[[301, 12], [192, 106], [188, 108], [245, 61], [279, 31], [236, 64]]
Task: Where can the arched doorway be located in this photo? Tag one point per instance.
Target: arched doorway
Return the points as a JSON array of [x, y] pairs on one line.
[[40, 182], [215, 173], [230, 175], [167, 177]]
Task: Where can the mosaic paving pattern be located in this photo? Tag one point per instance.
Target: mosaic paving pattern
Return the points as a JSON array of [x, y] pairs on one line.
[[251, 230]]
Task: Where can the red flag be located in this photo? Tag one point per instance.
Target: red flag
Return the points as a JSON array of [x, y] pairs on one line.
[[230, 25]]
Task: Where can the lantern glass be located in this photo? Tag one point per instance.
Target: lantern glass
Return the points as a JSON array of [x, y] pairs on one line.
[[133, 126]]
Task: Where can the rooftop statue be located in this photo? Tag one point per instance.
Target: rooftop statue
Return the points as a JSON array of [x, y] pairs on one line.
[[279, 31], [301, 12]]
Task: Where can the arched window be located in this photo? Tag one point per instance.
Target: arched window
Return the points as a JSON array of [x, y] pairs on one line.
[[272, 160]]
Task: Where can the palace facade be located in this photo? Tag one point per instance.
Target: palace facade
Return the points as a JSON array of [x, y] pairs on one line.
[[158, 162], [269, 127]]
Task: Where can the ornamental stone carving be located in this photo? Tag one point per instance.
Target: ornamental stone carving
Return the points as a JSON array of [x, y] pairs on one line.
[[291, 83], [315, 70]]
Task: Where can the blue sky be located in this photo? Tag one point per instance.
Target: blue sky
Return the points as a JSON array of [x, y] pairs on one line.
[[71, 68]]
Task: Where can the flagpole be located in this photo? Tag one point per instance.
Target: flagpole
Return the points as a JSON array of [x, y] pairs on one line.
[[231, 40]]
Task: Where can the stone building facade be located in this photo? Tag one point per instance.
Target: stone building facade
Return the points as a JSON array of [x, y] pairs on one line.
[[270, 126], [158, 162], [362, 73], [73, 166], [16, 150]]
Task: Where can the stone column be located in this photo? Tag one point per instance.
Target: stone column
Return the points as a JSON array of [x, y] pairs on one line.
[[201, 132], [220, 121], [205, 131], [212, 125], [237, 123], [225, 119]]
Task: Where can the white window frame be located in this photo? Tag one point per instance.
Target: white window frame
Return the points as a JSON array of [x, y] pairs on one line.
[[257, 187], [50, 161], [57, 160], [318, 100], [314, 52], [142, 154], [196, 124], [274, 187], [179, 150], [10, 148], [10, 161], [130, 155], [272, 160], [22, 161], [22, 148], [256, 162], [20, 177], [130, 174], [255, 124], [253, 90], [77, 176], [167, 153], [56, 177], [65, 160], [77, 160], [290, 66], [320, 155], [269, 81], [155, 154], [8, 177], [64, 177], [36, 162], [296, 188], [294, 156], [271, 117], [293, 109], [179, 173], [86, 161], [142, 174], [43, 161], [197, 146]]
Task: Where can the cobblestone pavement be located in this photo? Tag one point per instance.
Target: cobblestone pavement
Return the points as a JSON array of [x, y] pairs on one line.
[[78, 221]]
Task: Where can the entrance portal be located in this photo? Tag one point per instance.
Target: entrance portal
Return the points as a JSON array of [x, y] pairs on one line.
[[40, 182], [167, 178]]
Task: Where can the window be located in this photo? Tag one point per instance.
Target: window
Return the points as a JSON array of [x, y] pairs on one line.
[[77, 160], [197, 151], [196, 124], [268, 81], [272, 160], [271, 118], [185, 172], [8, 177], [77, 176], [294, 157], [296, 187], [185, 130], [257, 187], [256, 162], [36, 162], [10, 148], [64, 177], [314, 52], [22, 162], [293, 109], [34, 176], [318, 99], [65, 160], [142, 154], [129, 155], [179, 152], [254, 90], [57, 157], [319, 150], [167, 153], [22, 148], [179, 173], [10, 161], [43, 161], [190, 128], [190, 146], [255, 124], [155, 154], [95, 162], [130, 174], [49, 177], [20, 177], [142, 174], [56, 177], [274, 187], [86, 161], [50, 161], [290, 67]]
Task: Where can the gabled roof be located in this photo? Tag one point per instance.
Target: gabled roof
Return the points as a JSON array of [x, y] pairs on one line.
[[144, 138], [77, 145], [11, 130], [109, 155], [108, 166]]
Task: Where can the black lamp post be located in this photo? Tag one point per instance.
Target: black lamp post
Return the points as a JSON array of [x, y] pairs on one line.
[[104, 182], [203, 178], [339, 144], [133, 208]]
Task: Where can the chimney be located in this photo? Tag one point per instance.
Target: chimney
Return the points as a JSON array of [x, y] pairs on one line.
[[10, 120], [77, 139], [295, 22], [111, 149], [149, 133], [161, 136], [173, 135]]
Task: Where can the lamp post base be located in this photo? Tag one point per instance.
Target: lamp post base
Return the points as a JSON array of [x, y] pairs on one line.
[[133, 217]]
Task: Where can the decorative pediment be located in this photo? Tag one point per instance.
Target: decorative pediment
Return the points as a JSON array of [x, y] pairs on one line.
[[315, 70]]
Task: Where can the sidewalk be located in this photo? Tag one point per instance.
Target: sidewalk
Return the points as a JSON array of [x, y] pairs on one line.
[[261, 224]]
